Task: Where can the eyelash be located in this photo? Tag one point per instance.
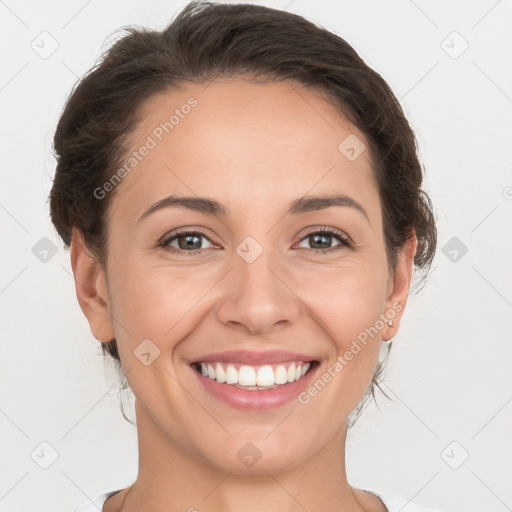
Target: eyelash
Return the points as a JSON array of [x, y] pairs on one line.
[[345, 242]]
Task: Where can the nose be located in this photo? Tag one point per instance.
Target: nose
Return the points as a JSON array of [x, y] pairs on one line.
[[258, 297]]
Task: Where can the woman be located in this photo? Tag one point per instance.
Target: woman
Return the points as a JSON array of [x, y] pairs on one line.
[[242, 198]]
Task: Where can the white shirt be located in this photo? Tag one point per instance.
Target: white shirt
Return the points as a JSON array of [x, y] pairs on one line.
[[393, 503]]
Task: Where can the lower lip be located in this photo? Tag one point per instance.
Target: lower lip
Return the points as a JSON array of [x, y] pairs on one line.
[[257, 399]]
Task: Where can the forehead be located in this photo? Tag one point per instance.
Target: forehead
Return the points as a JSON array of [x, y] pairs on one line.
[[236, 140]]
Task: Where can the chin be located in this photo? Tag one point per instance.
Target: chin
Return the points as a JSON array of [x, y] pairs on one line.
[[258, 454]]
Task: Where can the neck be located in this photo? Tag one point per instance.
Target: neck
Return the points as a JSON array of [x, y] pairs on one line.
[[172, 478]]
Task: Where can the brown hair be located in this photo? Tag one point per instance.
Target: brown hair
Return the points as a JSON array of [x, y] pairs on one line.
[[207, 41]]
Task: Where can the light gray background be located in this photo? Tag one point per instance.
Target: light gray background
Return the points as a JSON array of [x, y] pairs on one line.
[[450, 369]]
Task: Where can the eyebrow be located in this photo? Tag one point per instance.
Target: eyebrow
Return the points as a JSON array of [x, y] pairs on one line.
[[209, 206]]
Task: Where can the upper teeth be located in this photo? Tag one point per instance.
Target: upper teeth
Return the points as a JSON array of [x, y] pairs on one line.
[[244, 375]]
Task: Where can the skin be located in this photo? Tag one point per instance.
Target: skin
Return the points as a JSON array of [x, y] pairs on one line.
[[254, 148]]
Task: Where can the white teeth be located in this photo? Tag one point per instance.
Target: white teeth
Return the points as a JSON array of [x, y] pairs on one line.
[[231, 375], [280, 376], [266, 376], [291, 372], [246, 376], [220, 374]]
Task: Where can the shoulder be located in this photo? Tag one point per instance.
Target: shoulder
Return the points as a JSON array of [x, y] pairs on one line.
[[397, 504], [97, 503]]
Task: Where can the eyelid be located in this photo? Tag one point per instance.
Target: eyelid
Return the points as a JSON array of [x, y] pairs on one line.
[[329, 230], [183, 231], [345, 240]]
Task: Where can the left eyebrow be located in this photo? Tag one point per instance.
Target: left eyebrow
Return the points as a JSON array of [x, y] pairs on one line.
[[314, 203], [212, 207]]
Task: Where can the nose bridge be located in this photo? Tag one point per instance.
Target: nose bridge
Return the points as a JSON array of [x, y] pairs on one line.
[[255, 268], [258, 296], [256, 262]]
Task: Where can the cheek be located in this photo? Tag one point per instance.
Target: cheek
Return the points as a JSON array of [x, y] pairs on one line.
[[346, 300], [156, 302], [348, 308]]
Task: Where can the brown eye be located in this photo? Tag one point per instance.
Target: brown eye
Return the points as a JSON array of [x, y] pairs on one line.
[[323, 239], [187, 241]]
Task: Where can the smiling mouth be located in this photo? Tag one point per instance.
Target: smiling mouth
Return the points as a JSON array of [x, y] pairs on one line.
[[252, 378]]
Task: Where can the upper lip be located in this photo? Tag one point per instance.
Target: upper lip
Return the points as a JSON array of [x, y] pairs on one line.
[[249, 357]]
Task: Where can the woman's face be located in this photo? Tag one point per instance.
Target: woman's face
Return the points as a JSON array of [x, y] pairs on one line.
[[257, 287]]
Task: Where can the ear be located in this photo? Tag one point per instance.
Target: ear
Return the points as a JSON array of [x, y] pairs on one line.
[[398, 287], [91, 288]]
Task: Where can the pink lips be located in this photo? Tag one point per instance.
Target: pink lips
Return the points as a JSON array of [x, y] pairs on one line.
[[262, 399]]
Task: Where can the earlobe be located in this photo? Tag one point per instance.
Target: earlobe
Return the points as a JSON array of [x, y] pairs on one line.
[[91, 288], [400, 286]]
